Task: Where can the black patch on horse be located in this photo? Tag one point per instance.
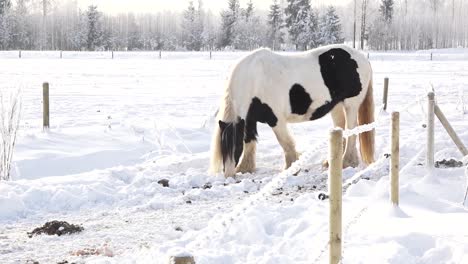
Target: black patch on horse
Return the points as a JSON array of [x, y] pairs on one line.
[[232, 135], [339, 72], [299, 99], [258, 112]]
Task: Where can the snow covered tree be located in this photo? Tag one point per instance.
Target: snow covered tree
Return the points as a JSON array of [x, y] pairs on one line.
[[46, 6], [134, 34], [276, 24], [386, 10], [363, 22], [200, 25], [229, 19], [249, 30], [21, 35], [5, 24], [79, 36], [249, 11], [5, 5], [301, 21], [192, 27], [330, 28], [382, 32], [209, 30], [94, 38], [312, 35]]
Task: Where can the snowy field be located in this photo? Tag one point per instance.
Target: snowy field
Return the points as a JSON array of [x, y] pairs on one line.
[[119, 126]]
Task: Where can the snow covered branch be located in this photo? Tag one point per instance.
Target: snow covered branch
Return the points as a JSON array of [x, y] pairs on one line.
[[10, 114]]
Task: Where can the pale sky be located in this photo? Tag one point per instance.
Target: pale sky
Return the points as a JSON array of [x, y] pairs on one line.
[[152, 6]]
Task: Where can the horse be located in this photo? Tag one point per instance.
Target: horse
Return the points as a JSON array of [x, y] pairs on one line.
[[279, 89]]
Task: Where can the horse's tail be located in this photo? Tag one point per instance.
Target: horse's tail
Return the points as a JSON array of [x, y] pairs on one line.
[[225, 113], [216, 160], [366, 116]]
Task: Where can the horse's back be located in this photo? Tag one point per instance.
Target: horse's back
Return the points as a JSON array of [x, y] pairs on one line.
[[326, 75]]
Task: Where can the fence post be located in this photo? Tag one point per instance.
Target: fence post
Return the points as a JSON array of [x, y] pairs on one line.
[[395, 160], [450, 130], [112, 54], [210, 55], [335, 180], [367, 55], [60, 54], [430, 131], [431, 55], [182, 260], [19, 55], [45, 104], [385, 93], [160, 55]]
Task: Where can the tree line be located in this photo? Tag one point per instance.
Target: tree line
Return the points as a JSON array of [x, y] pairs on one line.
[[407, 25], [287, 24]]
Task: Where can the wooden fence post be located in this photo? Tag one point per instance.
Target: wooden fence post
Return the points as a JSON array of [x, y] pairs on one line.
[[335, 180], [112, 54], [450, 130], [431, 55], [430, 131], [182, 260], [45, 104], [160, 55], [60, 54], [395, 160], [19, 55], [385, 93], [210, 55]]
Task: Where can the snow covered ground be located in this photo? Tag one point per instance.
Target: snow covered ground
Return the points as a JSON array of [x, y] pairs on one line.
[[119, 126]]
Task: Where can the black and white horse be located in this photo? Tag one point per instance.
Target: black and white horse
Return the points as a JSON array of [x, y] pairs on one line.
[[278, 89]]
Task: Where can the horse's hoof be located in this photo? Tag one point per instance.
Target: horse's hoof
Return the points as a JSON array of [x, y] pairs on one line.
[[226, 176], [245, 170], [325, 164], [352, 164]]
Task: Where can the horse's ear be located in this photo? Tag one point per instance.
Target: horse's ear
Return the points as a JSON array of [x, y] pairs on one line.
[[222, 125], [242, 123]]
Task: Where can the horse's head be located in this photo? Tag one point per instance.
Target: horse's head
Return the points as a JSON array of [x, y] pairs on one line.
[[232, 144]]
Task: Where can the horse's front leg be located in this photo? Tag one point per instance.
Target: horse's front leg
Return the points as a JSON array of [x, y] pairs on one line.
[[287, 143], [247, 164]]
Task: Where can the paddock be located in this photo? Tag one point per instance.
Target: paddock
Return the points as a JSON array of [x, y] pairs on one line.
[[119, 127]]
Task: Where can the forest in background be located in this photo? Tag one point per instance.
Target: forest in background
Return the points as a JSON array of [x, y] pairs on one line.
[[287, 25]]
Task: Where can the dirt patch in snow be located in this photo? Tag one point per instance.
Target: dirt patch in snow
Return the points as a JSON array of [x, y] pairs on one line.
[[56, 228], [451, 163]]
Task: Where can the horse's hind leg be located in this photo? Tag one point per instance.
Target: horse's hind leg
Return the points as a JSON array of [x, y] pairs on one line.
[[287, 143], [350, 157], [247, 164], [339, 120]]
